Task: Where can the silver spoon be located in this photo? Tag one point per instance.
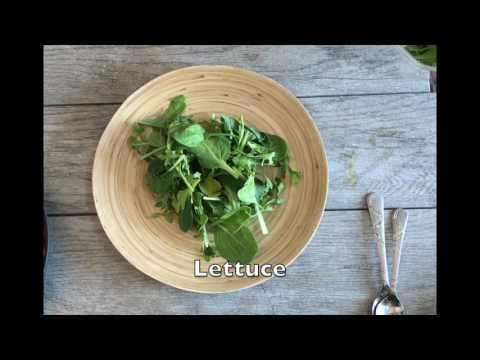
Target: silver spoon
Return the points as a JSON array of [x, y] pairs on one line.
[[390, 303], [387, 302]]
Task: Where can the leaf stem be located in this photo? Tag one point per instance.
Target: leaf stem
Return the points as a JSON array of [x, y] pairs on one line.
[[261, 220], [205, 237], [211, 198], [174, 166], [185, 180], [143, 157]]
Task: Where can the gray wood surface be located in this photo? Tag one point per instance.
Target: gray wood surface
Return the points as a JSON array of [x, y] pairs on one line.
[[106, 74], [337, 274], [384, 143], [378, 121]]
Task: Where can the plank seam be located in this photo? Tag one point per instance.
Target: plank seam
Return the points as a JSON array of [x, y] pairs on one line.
[[298, 97], [326, 210]]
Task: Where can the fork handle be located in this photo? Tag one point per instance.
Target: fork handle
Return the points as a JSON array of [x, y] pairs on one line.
[[399, 224], [375, 209]]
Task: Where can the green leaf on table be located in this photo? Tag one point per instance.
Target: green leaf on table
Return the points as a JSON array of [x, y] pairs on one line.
[[240, 247]]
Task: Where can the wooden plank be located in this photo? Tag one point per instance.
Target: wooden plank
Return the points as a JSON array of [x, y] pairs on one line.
[[384, 143], [108, 74], [337, 274]]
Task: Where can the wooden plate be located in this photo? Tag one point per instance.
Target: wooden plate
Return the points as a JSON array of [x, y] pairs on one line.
[[160, 249]]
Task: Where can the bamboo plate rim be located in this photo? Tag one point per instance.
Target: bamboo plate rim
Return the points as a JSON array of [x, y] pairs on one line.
[[318, 139]]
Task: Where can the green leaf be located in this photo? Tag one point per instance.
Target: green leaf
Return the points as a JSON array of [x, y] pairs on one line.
[[240, 247], [262, 188], [235, 220], [279, 146], [177, 107], [138, 129], [229, 123], [217, 208], [212, 153], [296, 175], [137, 143], [247, 193], [209, 253], [230, 182], [210, 186], [190, 136], [179, 201], [186, 216], [156, 167], [244, 163], [156, 123], [162, 184], [156, 139]]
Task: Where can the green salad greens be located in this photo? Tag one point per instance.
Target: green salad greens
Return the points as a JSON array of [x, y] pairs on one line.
[[212, 176], [426, 54]]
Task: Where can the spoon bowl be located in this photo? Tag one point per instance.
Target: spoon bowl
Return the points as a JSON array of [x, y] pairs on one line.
[[387, 303]]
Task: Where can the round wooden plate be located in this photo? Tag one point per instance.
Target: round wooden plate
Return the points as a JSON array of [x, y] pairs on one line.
[[160, 249]]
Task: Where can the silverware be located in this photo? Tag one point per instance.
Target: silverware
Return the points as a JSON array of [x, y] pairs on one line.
[[387, 302]]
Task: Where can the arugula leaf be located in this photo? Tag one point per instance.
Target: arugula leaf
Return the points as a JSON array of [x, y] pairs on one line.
[[162, 184], [186, 216], [190, 135], [210, 186], [239, 248], [244, 164], [247, 195], [229, 123], [180, 200], [156, 167], [177, 107], [209, 253], [212, 154], [138, 129], [156, 139], [296, 175], [279, 147], [155, 123], [234, 220]]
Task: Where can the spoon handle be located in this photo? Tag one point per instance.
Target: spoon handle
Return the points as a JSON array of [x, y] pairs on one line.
[[399, 224], [375, 208]]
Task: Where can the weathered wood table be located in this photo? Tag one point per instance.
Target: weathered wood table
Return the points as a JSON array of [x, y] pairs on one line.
[[377, 117]]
